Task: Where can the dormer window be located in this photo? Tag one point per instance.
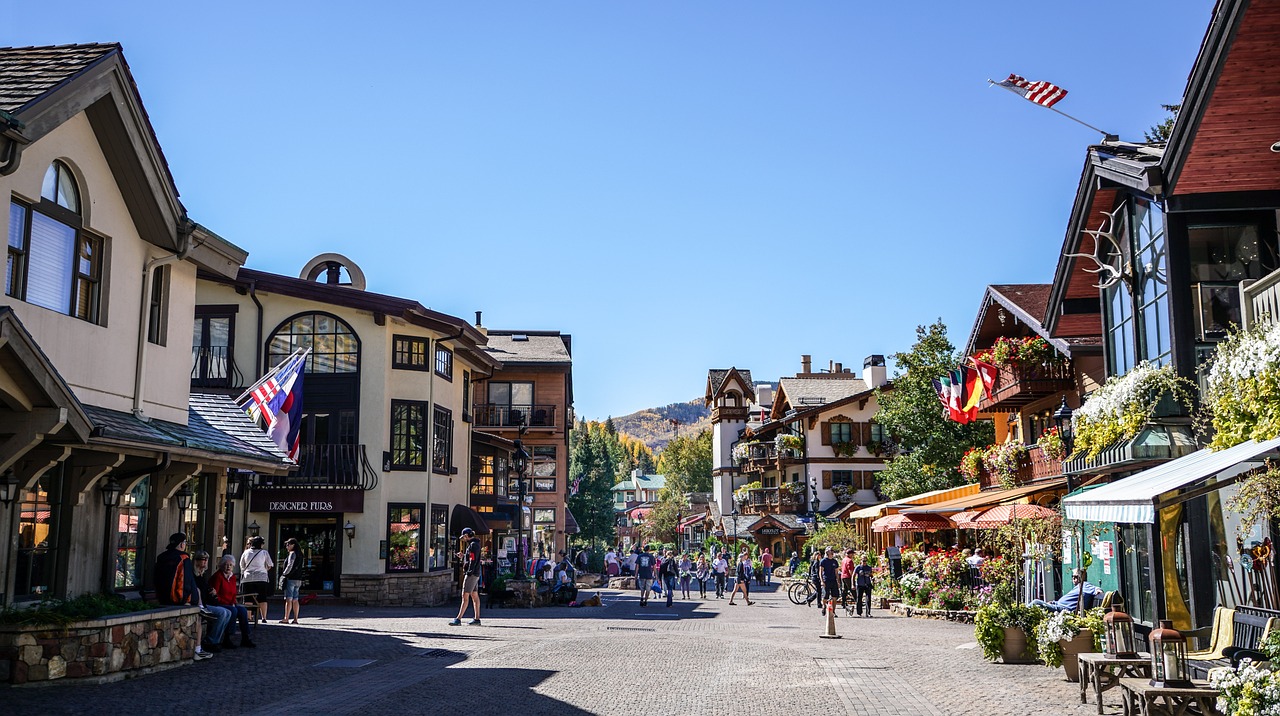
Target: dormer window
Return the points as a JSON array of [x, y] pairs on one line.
[[53, 261]]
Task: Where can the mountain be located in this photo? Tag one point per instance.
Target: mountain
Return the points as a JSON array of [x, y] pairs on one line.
[[653, 427]]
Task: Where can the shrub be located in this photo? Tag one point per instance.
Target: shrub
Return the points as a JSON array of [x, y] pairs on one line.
[[990, 622], [61, 613]]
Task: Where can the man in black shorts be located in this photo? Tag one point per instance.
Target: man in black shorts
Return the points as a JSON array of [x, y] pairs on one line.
[[470, 555], [644, 573]]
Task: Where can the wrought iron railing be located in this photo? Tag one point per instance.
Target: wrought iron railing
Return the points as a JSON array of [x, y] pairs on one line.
[[338, 466], [214, 367], [495, 415]]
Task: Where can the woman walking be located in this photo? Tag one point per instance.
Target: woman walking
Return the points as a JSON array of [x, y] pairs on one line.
[[255, 564], [291, 578], [743, 583], [686, 574], [701, 572]]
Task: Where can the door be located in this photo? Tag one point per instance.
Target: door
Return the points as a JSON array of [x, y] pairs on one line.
[[318, 544]]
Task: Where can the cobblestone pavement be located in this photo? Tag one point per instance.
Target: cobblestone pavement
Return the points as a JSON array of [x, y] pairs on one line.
[[697, 658]]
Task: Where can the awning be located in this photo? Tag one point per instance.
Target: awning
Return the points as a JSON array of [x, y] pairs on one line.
[[988, 498], [839, 511], [1137, 498], [463, 516], [964, 520], [903, 522], [868, 512], [1005, 514], [691, 520], [923, 498], [570, 523]]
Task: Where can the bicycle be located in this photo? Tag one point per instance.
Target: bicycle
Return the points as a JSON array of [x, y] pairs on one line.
[[800, 591]]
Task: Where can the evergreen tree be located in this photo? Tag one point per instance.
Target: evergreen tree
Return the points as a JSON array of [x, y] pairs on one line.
[[593, 469], [931, 444]]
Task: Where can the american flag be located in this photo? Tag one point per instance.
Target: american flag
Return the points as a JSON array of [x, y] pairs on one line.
[[1045, 94], [266, 398]]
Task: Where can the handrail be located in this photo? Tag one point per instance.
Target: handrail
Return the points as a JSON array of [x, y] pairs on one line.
[[1260, 298], [214, 367], [498, 415], [335, 466]]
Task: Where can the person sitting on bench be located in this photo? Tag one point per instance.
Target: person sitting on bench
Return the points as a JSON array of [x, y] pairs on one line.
[[1070, 601]]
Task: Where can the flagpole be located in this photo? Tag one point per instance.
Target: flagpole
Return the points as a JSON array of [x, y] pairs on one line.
[[275, 369], [1105, 135]]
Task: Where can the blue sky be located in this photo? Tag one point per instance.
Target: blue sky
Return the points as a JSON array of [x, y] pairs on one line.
[[681, 186]]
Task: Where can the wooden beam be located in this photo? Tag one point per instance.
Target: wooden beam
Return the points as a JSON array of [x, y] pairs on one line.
[[87, 468], [30, 432]]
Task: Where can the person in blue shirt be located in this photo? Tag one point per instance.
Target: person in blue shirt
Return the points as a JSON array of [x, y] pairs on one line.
[[644, 573], [1071, 600]]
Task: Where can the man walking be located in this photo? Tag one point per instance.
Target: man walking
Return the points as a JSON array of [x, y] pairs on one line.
[[766, 560], [830, 569], [862, 579], [669, 571], [720, 568], [644, 573], [815, 577], [470, 577]]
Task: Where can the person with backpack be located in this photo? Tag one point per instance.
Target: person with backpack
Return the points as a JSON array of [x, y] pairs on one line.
[[743, 583], [815, 578], [862, 578], [702, 572], [670, 571], [644, 573], [255, 565], [175, 577]]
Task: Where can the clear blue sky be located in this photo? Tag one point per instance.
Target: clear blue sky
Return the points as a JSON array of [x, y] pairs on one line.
[[679, 185]]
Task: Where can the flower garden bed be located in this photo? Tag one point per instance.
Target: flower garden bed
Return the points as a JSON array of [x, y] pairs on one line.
[[961, 616], [98, 650]]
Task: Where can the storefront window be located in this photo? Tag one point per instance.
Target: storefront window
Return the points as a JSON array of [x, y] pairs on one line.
[[1136, 580], [482, 475], [404, 537], [544, 461], [37, 539], [1150, 267], [1241, 558], [438, 557], [131, 536]]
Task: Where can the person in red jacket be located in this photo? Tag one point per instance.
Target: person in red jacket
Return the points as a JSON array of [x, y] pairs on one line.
[[223, 587]]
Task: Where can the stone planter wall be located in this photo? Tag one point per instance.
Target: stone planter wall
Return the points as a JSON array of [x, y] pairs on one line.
[[952, 615], [99, 649], [430, 589]]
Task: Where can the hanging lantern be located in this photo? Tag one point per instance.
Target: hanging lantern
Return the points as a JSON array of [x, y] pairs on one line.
[[1119, 633], [1169, 658]]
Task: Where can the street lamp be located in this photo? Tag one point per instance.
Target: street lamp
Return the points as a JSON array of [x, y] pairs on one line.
[[734, 516], [254, 528], [111, 500], [520, 461], [184, 497], [351, 532], [1066, 430], [8, 487], [814, 504]]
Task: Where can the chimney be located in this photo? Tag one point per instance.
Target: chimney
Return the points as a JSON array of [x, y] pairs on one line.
[[806, 364], [478, 323], [479, 327], [764, 394], [874, 373], [839, 368]]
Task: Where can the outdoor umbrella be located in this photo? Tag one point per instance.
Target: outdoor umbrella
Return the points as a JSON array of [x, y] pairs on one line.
[[964, 520], [911, 523], [1004, 514]]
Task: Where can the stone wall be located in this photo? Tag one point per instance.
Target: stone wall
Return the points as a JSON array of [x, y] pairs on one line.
[[99, 649], [430, 589], [952, 615]]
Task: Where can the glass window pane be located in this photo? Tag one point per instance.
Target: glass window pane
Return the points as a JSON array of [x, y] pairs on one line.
[[324, 324], [68, 194], [49, 263], [522, 393], [49, 187], [17, 225], [500, 393]]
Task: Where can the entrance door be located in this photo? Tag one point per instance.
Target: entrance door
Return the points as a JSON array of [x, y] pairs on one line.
[[318, 543]]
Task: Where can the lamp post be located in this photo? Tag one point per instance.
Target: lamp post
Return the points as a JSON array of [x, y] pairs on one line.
[[184, 497], [734, 516], [8, 493], [520, 461], [1062, 419], [351, 532], [814, 504], [110, 491], [254, 528]]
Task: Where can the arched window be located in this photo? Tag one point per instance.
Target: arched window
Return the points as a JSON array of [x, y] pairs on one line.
[[53, 261], [334, 346]]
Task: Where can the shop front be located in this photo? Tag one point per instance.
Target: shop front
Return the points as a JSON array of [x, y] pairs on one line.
[[316, 519]]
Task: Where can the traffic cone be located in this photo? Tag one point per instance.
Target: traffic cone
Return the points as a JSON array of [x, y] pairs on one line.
[[831, 621]]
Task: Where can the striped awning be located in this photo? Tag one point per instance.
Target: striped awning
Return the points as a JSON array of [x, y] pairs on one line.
[[903, 522], [1006, 514], [1137, 499], [964, 520]]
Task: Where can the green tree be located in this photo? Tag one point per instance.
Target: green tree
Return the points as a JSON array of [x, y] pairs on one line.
[[1160, 132], [687, 463], [593, 469], [662, 521], [931, 444]]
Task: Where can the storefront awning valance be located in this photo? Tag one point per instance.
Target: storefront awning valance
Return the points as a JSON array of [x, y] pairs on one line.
[[570, 523], [911, 523], [463, 516], [1137, 498]]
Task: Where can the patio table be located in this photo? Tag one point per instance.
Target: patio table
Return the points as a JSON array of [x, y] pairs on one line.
[[1143, 699], [1104, 672]]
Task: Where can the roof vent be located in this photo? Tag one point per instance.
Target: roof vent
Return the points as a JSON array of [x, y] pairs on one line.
[[519, 337]]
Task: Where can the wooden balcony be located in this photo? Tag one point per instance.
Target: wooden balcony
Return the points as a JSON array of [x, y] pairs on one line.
[[767, 456], [1019, 385], [771, 500], [1261, 300], [1034, 466], [501, 415]]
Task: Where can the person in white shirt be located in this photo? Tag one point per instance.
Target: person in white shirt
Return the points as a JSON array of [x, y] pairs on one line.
[[611, 563], [720, 567], [976, 559]]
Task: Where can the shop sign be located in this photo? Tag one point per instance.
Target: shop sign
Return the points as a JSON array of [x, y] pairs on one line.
[[769, 531], [269, 500]]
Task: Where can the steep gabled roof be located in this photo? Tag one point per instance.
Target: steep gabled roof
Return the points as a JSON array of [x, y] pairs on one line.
[[1023, 303], [28, 73], [814, 390], [718, 377]]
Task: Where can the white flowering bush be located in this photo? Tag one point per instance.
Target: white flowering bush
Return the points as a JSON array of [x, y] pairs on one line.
[[1249, 691], [1120, 408], [742, 451], [1242, 386], [1065, 626], [911, 584]]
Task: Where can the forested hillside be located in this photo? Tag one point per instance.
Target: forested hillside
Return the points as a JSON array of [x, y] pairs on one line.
[[653, 427]]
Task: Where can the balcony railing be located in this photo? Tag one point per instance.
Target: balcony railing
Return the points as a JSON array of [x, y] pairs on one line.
[[1034, 465], [343, 467], [1018, 385], [765, 500], [767, 456], [214, 367], [491, 415], [1261, 299]]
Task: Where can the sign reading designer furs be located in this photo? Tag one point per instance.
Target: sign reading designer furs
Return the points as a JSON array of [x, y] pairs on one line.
[[310, 501]]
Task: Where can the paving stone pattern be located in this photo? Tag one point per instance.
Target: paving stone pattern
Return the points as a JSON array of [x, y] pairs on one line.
[[701, 658]]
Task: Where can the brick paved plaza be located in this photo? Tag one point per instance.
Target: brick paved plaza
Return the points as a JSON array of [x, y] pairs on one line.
[[695, 658]]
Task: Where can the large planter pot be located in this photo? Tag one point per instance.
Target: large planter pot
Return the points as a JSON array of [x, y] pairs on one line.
[[1016, 650], [1081, 644]]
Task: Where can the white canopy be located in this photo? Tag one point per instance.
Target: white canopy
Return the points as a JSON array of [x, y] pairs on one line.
[[1135, 499]]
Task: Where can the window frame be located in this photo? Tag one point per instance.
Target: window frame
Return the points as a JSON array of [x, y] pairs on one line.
[[285, 328], [536, 460], [399, 424], [157, 306], [439, 444], [421, 507], [204, 315], [447, 371], [411, 342], [544, 510], [433, 544], [18, 275]]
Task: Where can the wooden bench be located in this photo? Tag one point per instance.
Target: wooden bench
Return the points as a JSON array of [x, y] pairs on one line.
[[250, 604], [1249, 626]]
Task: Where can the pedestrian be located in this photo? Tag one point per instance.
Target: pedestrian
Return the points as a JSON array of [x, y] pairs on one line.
[[743, 582], [291, 580], [644, 573], [255, 565], [686, 574], [470, 556], [830, 571], [583, 560], [766, 560], [793, 564], [862, 577], [670, 572], [720, 567], [701, 572], [221, 615], [815, 578], [225, 588], [611, 563], [846, 577], [175, 578]]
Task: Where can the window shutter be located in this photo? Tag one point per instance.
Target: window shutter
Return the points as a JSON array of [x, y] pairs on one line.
[[826, 433], [866, 432], [826, 479]]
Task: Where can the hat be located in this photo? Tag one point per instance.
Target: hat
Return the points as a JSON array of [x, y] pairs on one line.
[[176, 539], [467, 532]]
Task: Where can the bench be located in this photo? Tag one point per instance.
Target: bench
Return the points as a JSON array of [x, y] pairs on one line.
[[1249, 626]]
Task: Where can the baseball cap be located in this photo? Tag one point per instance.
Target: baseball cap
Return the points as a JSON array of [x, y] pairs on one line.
[[467, 531]]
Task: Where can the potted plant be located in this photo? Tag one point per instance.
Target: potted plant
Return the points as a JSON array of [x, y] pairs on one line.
[[1052, 444], [845, 449], [1003, 462], [1123, 405], [971, 463], [1254, 688], [791, 445], [1005, 630], [1063, 635]]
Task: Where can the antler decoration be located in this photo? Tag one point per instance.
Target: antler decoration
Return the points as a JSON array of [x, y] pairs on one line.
[[1109, 273]]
